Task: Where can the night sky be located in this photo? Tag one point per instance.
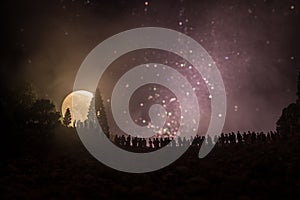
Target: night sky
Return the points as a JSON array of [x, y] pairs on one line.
[[255, 45]]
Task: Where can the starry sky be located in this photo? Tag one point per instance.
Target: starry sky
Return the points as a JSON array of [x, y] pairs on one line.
[[255, 45]]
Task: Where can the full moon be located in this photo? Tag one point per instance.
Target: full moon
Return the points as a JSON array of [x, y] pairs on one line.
[[78, 102]]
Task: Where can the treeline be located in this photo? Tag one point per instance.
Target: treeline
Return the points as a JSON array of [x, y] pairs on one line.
[[27, 121]]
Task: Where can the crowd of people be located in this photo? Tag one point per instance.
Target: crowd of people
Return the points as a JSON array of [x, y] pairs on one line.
[[221, 140]]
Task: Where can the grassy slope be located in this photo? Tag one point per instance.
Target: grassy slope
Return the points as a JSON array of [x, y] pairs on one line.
[[242, 172]]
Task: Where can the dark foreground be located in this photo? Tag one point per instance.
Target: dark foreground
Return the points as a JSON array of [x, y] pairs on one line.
[[257, 171]]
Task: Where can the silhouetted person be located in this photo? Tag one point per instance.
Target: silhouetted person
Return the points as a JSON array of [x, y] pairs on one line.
[[86, 124], [197, 140], [253, 137], [173, 142], [209, 141], [156, 143], [202, 139], [222, 139], [128, 140], [263, 138], [180, 142], [161, 141], [144, 143], [226, 139], [79, 124], [193, 140], [150, 143], [122, 140], [239, 137], [232, 138], [134, 142], [184, 142], [74, 123], [216, 139]]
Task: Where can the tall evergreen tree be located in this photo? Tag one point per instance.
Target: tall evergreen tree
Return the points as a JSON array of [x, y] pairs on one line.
[[67, 118], [92, 112], [100, 112]]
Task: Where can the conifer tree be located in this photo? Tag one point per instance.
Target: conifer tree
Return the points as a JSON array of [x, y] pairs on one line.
[[92, 112], [67, 118], [100, 112]]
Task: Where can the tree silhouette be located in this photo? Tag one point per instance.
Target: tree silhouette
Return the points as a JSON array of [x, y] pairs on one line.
[[20, 103], [289, 121], [30, 121], [25, 95], [92, 112], [100, 112], [67, 118], [43, 116]]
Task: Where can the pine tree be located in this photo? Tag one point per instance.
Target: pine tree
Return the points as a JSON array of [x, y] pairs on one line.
[[101, 114], [92, 112], [67, 118]]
